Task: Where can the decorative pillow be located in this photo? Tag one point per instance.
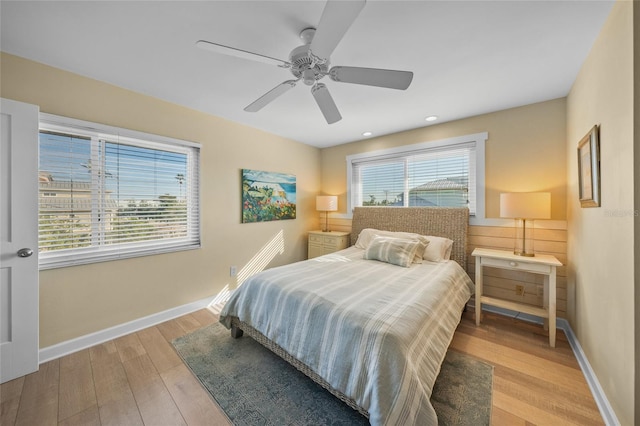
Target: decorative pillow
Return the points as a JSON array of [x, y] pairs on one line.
[[367, 235], [438, 250], [396, 251]]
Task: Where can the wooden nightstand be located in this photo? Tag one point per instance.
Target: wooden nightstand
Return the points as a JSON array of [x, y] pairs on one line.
[[540, 264], [327, 242]]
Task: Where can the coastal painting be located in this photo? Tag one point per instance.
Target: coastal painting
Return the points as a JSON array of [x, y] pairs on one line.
[[267, 196]]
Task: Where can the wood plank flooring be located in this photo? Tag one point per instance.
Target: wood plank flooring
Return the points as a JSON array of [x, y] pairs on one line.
[[139, 379]]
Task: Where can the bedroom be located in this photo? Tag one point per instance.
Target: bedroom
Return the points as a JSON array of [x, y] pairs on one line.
[[81, 300]]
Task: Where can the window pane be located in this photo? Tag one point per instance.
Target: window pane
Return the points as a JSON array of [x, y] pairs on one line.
[[439, 180], [145, 194], [382, 184], [65, 192]]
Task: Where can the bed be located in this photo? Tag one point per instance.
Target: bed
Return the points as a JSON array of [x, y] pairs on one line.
[[372, 333]]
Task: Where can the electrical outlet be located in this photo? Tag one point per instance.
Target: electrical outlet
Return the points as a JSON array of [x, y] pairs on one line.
[[519, 290], [233, 271]]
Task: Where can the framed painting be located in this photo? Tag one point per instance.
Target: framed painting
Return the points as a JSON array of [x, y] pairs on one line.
[[267, 196], [589, 169]]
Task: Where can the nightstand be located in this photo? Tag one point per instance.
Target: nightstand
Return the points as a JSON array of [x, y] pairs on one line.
[[539, 264], [327, 242]]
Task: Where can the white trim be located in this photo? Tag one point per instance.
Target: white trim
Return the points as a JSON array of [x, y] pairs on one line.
[[481, 139], [70, 346], [606, 411], [74, 259]]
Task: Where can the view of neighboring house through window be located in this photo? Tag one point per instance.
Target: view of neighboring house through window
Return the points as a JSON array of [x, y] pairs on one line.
[[106, 195], [433, 174]]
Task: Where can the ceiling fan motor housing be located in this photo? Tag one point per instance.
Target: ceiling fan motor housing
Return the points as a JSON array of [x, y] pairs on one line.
[[305, 67]]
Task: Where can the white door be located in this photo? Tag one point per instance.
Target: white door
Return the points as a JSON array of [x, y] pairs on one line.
[[18, 239]]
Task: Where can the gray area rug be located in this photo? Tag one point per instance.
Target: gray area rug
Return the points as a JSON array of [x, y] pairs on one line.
[[255, 387]]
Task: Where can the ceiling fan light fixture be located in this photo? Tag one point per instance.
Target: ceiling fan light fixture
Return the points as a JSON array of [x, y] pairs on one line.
[[309, 77]]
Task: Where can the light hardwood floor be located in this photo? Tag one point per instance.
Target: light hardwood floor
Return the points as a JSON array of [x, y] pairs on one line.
[[140, 380]]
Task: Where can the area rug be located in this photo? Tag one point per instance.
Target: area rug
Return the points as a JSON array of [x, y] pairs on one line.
[[255, 387]]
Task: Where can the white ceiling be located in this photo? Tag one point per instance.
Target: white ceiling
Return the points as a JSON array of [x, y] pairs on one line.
[[468, 57]]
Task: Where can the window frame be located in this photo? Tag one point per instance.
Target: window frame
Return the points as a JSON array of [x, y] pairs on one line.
[[104, 253], [476, 139]]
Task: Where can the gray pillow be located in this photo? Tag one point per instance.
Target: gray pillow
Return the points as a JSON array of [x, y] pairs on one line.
[[396, 251]]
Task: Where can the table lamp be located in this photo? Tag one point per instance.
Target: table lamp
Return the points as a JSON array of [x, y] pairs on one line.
[[326, 204], [524, 207]]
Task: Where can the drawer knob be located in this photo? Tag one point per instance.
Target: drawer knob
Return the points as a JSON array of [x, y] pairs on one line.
[[512, 263]]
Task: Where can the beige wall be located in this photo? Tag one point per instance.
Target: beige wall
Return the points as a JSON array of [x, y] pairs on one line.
[[601, 240], [79, 300], [525, 152]]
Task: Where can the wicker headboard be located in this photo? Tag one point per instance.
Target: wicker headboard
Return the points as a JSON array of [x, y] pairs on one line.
[[438, 221]]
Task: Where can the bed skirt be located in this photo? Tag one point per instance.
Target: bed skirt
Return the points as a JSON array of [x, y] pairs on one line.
[[273, 347]]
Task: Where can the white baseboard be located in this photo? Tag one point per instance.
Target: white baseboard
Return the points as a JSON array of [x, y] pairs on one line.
[[606, 411], [70, 346]]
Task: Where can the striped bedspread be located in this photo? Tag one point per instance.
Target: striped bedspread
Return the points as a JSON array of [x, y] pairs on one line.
[[375, 331]]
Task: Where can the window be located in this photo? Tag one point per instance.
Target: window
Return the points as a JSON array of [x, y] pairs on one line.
[[446, 173], [108, 193]]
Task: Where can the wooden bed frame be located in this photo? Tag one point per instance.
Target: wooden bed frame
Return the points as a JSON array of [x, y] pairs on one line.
[[437, 221]]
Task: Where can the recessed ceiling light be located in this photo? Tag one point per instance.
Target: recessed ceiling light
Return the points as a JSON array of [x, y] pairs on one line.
[[367, 133], [431, 118]]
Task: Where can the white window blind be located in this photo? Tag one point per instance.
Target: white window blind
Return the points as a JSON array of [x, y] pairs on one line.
[[108, 193], [435, 174]]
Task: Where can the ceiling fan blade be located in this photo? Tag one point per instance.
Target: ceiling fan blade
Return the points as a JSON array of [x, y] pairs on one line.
[[390, 79], [325, 102], [270, 96], [239, 53], [336, 19]]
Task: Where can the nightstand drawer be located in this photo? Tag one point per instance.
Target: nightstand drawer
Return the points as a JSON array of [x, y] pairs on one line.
[[318, 239], [516, 265], [335, 241]]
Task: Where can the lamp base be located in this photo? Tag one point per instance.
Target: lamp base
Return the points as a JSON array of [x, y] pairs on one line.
[[523, 241], [326, 222]]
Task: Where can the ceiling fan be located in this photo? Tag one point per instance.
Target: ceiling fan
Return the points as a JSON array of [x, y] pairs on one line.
[[310, 62]]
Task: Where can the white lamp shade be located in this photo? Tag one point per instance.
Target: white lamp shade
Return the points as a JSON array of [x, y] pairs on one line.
[[327, 203], [525, 205]]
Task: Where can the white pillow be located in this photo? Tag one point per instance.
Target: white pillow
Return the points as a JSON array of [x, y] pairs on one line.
[[438, 249], [396, 251], [367, 235]]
